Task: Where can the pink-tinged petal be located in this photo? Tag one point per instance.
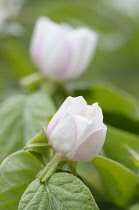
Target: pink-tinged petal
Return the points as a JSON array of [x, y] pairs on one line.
[[59, 51], [42, 29], [49, 50], [85, 128], [92, 111], [62, 139], [59, 59], [97, 111], [90, 147], [75, 135], [83, 43], [36, 41], [70, 105]]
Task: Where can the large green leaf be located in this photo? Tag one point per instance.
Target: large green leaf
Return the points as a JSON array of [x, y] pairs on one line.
[[116, 101], [16, 173], [21, 117], [115, 146], [61, 191], [112, 100], [134, 207], [120, 183], [120, 109], [89, 173]]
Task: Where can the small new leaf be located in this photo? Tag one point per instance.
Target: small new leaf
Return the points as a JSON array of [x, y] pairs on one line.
[[40, 137]]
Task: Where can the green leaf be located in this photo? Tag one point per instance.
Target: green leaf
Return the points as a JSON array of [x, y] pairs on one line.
[[21, 117], [38, 145], [114, 100], [16, 173], [32, 81], [89, 173], [134, 155], [134, 207], [111, 99], [120, 109], [115, 146], [40, 137], [62, 191], [120, 183]]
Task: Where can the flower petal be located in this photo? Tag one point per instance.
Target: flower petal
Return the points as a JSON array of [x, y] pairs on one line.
[[85, 129], [83, 43], [90, 147], [48, 49], [92, 111], [71, 105], [41, 38], [62, 139]]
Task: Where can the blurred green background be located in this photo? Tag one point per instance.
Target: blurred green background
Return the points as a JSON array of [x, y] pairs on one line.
[[116, 61], [117, 56]]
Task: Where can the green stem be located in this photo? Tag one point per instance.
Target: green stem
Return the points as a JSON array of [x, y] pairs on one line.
[[56, 162], [72, 165], [59, 94]]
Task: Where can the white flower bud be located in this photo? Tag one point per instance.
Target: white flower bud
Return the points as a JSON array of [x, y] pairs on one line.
[[61, 52], [77, 131]]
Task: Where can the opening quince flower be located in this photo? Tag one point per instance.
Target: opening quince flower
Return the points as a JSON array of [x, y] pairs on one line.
[[60, 51], [77, 131]]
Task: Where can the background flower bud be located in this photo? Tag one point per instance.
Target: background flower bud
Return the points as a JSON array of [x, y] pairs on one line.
[[61, 52], [77, 131]]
